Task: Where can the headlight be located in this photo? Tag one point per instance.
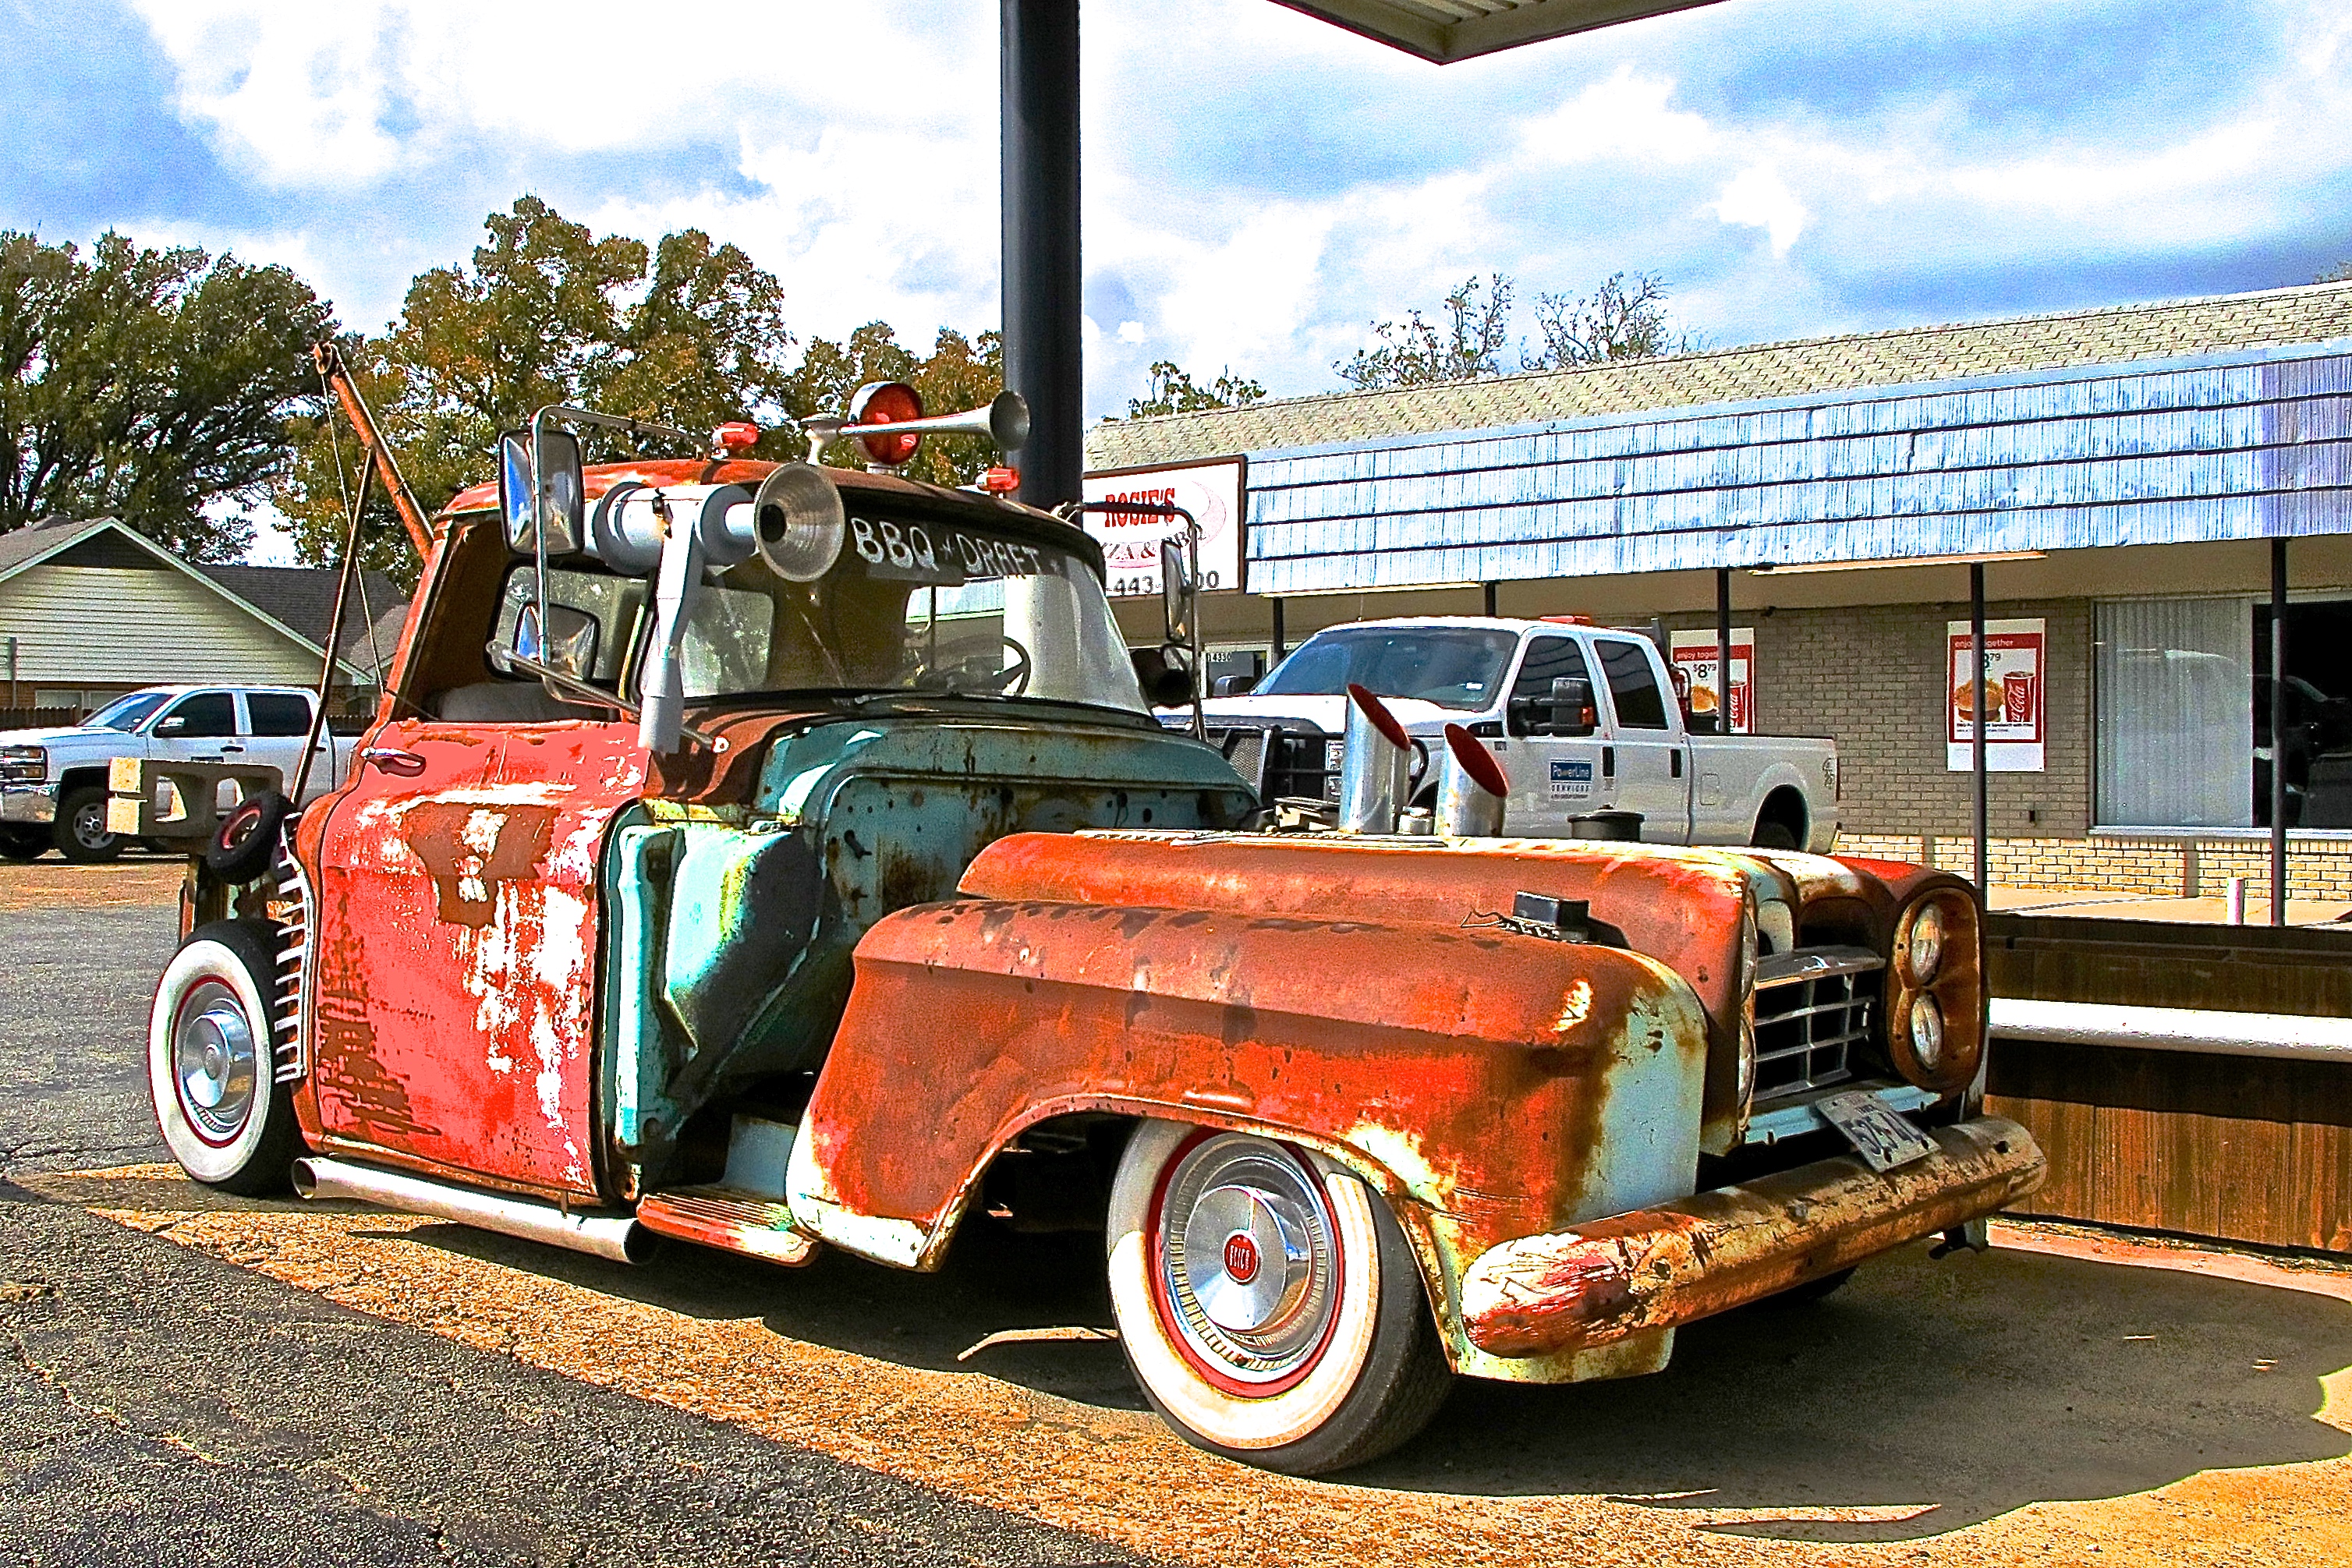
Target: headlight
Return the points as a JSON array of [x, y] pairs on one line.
[[1927, 1032], [23, 764], [1925, 950]]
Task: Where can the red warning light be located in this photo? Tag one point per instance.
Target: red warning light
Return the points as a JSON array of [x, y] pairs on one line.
[[886, 402], [735, 435], [1000, 480]]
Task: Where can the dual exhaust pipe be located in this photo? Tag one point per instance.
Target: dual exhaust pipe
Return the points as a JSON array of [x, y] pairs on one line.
[[1376, 775]]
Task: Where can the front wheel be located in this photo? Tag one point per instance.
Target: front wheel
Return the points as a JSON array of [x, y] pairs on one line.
[[1269, 1301], [210, 1068], [80, 832]]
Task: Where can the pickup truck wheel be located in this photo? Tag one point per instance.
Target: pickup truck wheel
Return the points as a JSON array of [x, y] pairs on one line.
[[22, 844], [79, 832], [1773, 836], [209, 1062], [1269, 1301], [247, 842]]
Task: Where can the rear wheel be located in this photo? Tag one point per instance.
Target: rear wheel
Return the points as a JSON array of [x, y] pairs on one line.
[[1268, 1302], [23, 843], [81, 832], [1773, 836], [210, 1065]]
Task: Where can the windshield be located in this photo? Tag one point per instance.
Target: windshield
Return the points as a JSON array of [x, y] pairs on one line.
[[1452, 666], [914, 604], [129, 712]]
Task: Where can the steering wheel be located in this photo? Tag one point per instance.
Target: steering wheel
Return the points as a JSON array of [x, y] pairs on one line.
[[1015, 678]]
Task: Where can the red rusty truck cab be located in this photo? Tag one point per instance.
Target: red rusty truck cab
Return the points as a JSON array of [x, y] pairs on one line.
[[774, 857]]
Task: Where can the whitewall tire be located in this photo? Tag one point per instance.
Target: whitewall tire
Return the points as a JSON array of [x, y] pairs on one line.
[[1269, 1301], [209, 1062]]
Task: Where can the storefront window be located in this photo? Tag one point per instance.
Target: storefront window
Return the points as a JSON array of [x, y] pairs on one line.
[[2176, 732], [2184, 720]]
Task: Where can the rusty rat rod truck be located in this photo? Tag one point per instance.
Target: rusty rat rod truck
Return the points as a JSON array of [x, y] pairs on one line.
[[777, 857]]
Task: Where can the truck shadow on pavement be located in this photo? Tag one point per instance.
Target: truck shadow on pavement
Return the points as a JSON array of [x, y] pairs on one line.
[[1925, 1396]]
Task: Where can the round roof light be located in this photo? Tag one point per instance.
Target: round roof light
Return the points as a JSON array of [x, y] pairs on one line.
[[886, 402]]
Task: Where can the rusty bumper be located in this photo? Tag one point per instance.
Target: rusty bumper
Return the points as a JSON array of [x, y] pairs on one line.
[[1679, 1261]]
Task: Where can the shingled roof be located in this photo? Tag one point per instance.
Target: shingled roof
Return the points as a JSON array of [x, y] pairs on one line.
[[1902, 355]]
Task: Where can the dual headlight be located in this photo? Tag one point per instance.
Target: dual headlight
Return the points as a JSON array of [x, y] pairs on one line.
[[23, 764], [1936, 1005]]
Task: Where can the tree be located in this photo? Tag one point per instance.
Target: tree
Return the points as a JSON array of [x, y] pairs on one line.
[[2341, 273], [1171, 390], [148, 384], [548, 312], [1415, 352], [1617, 321]]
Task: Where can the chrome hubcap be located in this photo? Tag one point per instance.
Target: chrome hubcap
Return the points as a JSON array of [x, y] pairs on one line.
[[90, 827], [1247, 1258], [215, 1062]]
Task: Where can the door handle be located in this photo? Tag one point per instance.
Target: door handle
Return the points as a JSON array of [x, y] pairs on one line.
[[232, 748], [392, 760], [1677, 769], [1609, 762]]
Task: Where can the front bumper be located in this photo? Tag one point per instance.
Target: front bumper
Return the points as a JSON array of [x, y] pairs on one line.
[[1696, 1256], [28, 804]]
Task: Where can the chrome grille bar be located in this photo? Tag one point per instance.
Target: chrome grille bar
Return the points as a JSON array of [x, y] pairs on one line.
[[1812, 1007]]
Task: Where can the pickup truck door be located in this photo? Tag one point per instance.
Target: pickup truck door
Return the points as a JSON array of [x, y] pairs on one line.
[[200, 726], [1645, 751], [459, 925], [1553, 777], [277, 722]]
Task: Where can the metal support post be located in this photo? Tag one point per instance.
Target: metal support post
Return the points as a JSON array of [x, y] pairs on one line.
[[2278, 732], [1723, 650], [1279, 650], [1489, 588], [1976, 727], [1043, 311]]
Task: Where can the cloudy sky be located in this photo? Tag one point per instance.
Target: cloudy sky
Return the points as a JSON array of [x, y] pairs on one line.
[[1258, 184]]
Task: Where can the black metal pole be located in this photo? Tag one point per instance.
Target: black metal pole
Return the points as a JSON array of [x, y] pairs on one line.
[[1723, 650], [1977, 726], [2278, 732], [1489, 598], [1279, 649], [1043, 316]]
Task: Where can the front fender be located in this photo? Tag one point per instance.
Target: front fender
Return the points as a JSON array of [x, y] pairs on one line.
[[1494, 1085]]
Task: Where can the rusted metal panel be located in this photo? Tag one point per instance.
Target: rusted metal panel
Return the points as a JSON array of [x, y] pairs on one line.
[[1706, 1253], [459, 922], [1496, 1085], [1686, 908]]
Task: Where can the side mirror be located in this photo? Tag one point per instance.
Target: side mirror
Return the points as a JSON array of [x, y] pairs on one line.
[[1571, 706], [1179, 592], [554, 482], [566, 644], [172, 726], [1232, 686]]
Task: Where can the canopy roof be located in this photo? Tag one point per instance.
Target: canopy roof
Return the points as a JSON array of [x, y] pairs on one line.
[[1449, 30]]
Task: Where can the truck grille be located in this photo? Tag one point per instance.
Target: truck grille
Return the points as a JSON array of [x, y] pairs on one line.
[[1812, 1008], [1279, 759], [290, 1050]]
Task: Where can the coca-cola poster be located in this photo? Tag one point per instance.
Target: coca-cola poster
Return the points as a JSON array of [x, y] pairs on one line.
[[2016, 699], [1701, 688], [1211, 491]]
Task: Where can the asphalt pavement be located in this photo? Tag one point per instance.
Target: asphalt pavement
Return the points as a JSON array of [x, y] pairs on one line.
[[160, 1407]]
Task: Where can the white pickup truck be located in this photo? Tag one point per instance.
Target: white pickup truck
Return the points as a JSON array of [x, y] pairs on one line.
[[1584, 719], [53, 781]]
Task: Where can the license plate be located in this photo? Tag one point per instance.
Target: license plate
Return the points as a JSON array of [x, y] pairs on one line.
[[1881, 1138]]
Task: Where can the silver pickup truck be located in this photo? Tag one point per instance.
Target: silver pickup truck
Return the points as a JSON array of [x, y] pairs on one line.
[[1584, 719], [53, 781]]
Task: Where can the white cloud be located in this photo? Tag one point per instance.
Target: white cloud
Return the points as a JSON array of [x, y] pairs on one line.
[[1759, 198]]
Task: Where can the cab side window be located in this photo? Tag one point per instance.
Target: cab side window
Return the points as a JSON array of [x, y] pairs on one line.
[[1632, 688], [277, 713], [1548, 659], [207, 715]]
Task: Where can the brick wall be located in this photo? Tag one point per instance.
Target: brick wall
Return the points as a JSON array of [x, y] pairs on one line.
[[2166, 868], [1872, 678]]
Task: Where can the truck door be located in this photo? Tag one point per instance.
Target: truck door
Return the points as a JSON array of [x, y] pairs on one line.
[[458, 934], [1553, 778], [276, 723], [1644, 751], [200, 728]]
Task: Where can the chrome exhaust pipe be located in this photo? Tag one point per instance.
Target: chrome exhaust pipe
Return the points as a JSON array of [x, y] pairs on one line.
[[617, 1237], [1375, 767], [1471, 788]]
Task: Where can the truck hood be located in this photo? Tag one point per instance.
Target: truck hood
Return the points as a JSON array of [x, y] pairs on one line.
[[79, 736], [1331, 713]]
